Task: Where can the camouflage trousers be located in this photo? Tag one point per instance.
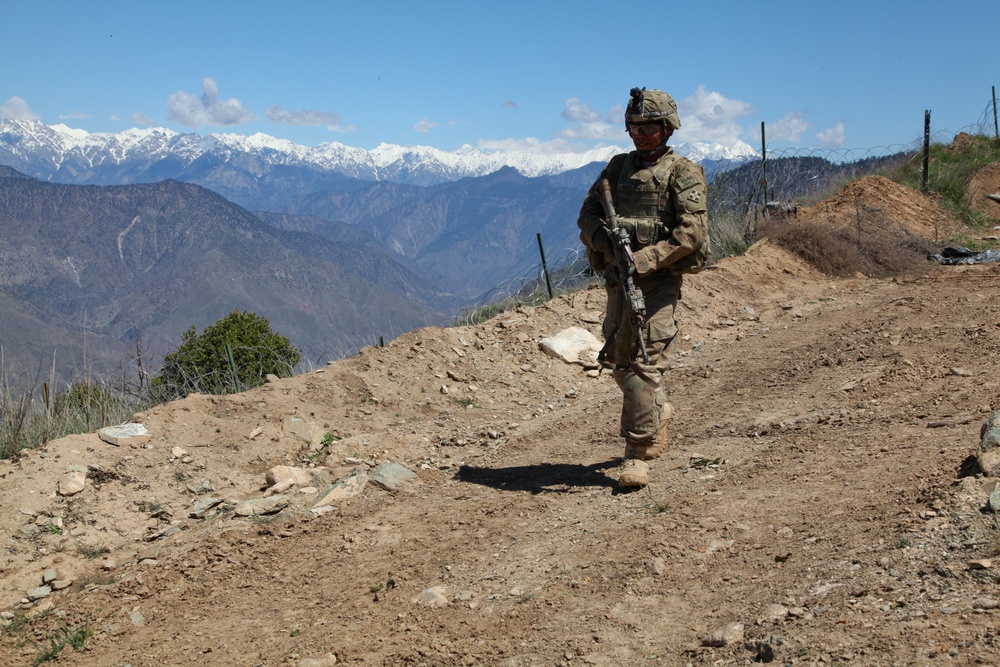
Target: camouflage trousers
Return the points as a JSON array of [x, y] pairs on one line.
[[641, 384]]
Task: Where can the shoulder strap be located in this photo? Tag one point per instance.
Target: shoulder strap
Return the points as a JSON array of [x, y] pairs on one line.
[[665, 167]]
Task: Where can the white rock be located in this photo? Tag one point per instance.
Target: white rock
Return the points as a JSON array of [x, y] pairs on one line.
[[432, 597], [574, 346], [344, 489], [308, 432], [724, 636], [279, 474], [125, 434], [774, 612], [72, 483], [280, 487]]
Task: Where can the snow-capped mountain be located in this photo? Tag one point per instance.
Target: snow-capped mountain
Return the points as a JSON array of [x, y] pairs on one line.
[[699, 152], [62, 154]]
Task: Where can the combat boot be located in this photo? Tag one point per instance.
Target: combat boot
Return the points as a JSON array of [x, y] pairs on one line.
[[634, 475]]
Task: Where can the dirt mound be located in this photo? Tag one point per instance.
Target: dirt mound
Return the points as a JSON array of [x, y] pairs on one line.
[[816, 505], [962, 142], [986, 182], [880, 202]]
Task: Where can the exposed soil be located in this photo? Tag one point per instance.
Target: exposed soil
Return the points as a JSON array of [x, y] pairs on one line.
[[986, 182], [819, 491], [875, 200]]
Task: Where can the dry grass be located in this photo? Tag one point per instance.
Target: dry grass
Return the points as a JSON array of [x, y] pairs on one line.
[[870, 248]]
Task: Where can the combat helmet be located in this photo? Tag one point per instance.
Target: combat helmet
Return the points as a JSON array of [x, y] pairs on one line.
[[646, 106]]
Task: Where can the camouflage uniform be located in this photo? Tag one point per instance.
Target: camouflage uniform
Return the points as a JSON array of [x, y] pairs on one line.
[[663, 206]]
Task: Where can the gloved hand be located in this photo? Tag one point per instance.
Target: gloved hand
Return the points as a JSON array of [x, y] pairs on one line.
[[601, 243], [644, 260]]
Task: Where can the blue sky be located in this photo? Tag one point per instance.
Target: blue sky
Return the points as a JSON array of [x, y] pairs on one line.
[[546, 76]]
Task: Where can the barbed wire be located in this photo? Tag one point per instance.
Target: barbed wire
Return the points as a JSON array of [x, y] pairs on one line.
[[790, 173], [569, 272]]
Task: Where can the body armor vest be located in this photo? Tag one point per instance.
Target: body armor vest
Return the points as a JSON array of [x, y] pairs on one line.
[[646, 207]]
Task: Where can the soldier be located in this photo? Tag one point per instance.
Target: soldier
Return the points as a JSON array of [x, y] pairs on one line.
[[660, 199]]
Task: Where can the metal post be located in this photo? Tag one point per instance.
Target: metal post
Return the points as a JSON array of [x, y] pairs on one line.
[[763, 154], [996, 129], [927, 151], [545, 267]]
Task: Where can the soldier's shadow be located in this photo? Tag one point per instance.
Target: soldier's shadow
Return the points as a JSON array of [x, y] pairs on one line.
[[541, 477]]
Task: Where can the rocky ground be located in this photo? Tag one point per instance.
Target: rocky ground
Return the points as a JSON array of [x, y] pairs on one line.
[[453, 499]]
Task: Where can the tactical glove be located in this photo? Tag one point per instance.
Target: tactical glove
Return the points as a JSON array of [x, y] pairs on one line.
[[601, 243]]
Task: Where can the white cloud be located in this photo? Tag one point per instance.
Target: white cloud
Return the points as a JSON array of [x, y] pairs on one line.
[[708, 116], [510, 105], [588, 124], [328, 119], [140, 119], [73, 115], [832, 137], [424, 125], [789, 128], [17, 109], [186, 109]]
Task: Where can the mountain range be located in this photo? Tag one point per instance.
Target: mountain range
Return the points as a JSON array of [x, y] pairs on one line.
[[143, 233], [227, 162]]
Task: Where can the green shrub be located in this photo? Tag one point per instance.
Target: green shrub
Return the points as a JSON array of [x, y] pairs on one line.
[[232, 355]]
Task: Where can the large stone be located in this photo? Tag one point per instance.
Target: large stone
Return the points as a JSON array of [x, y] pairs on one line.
[[202, 506], [39, 593], [390, 475], [261, 506], [306, 431], [343, 489], [574, 346], [278, 474], [131, 433], [988, 455], [72, 483], [724, 636], [432, 597]]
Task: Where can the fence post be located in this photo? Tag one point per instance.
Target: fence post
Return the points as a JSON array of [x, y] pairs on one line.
[[763, 154], [927, 151], [545, 267], [996, 128]]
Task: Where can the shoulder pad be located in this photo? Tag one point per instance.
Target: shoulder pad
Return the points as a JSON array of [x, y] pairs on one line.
[[687, 175]]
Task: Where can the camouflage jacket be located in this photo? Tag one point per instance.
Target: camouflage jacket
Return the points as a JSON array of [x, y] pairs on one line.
[[663, 205]]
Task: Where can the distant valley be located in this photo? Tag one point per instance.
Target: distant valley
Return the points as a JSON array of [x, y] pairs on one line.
[[109, 264]]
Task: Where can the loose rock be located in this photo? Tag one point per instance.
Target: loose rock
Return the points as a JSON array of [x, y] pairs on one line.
[[724, 636]]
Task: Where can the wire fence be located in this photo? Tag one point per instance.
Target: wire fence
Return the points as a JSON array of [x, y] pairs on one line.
[[565, 274], [788, 174]]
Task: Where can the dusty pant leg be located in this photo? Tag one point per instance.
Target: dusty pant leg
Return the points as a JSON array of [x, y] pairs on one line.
[[642, 401], [643, 395]]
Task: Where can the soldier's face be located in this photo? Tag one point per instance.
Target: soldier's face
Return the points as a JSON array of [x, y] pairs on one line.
[[646, 136]]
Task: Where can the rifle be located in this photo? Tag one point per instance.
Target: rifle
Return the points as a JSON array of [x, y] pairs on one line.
[[621, 271]]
